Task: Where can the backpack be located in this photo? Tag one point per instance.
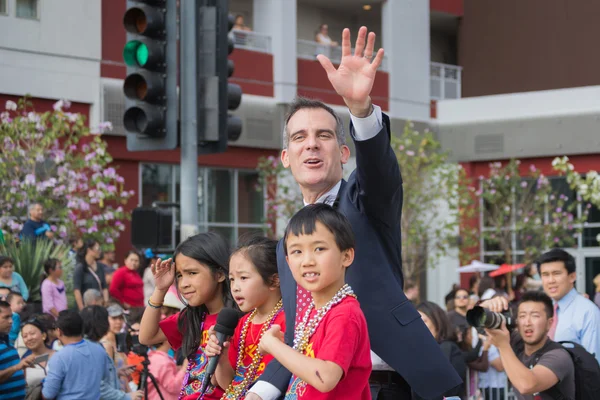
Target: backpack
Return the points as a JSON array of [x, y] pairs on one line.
[[587, 371]]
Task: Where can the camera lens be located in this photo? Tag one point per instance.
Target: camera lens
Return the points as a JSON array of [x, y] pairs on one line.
[[480, 317]]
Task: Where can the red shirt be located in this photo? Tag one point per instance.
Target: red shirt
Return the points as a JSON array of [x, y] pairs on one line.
[[250, 346], [341, 338], [127, 286], [198, 363]]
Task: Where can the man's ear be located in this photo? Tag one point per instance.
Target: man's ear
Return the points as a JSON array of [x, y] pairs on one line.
[[345, 154], [285, 160]]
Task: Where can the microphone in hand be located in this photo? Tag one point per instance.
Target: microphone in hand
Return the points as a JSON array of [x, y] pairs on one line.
[[227, 321]]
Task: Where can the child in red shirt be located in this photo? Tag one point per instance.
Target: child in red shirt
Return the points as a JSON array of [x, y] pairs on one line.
[[331, 355], [255, 287], [200, 272]]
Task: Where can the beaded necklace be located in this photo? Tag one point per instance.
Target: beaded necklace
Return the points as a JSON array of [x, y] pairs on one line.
[[306, 328], [190, 363], [239, 391]]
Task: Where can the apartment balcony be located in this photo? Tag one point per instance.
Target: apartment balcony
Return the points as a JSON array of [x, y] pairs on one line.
[[445, 81]]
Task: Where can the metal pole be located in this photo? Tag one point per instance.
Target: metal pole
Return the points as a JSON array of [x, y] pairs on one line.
[[189, 119]]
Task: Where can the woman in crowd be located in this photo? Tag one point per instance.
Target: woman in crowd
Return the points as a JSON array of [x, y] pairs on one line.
[[88, 273], [440, 327], [127, 286], [116, 322], [54, 296], [35, 337], [95, 327], [532, 282], [10, 279]]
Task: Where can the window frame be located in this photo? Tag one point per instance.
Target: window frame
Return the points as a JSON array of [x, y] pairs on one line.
[[37, 11], [203, 224], [4, 13]]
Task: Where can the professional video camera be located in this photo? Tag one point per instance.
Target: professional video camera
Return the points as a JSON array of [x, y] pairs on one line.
[[480, 317]]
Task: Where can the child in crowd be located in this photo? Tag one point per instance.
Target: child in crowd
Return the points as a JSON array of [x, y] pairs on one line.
[[17, 305], [200, 271], [255, 287], [54, 296], [331, 354]]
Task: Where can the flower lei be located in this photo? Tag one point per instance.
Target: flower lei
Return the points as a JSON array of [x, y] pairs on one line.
[[306, 328], [189, 367], [239, 391]]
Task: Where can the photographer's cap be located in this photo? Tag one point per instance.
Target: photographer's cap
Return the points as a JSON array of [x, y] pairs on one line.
[[115, 310]]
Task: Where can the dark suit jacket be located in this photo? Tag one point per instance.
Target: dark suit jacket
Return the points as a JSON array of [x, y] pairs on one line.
[[372, 201]]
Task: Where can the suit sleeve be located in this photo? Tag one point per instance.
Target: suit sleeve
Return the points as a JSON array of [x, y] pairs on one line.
[[378, 176]]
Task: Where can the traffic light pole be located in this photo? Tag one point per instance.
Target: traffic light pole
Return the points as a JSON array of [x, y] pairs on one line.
[[189, 119]]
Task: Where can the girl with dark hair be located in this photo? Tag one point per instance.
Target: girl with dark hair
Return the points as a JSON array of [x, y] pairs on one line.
[[127, 285], [440, 327], [255, 287], [54, 296], [200, 272], [88, 273]]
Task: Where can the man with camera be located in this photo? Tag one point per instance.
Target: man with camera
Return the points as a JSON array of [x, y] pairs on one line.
[[536, 366]]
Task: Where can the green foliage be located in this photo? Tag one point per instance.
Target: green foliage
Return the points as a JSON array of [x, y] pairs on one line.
[[29, 257]]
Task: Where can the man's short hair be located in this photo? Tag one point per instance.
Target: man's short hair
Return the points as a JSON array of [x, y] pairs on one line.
[[95, 322], [12, 295], [4, 305], [91, 296], [537, 296], [304, 222], [35, 203], [301, 103], [557, 255], [70, 323]]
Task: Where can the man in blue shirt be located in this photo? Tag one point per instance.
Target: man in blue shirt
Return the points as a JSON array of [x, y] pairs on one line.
[[35, 227], [76, 371], [577, 319], [12, 379]]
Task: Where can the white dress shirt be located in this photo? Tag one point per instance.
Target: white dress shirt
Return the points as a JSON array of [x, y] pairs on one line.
[[364, 129]]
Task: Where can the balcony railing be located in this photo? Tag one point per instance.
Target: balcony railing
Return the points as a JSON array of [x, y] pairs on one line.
[[445, 81], [308, 50], [251, 41]]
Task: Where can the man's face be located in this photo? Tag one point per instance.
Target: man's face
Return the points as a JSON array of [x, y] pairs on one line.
[[37, 212], [461, 299], [5, 319], [533, 322], [313, 153], [555, 279]]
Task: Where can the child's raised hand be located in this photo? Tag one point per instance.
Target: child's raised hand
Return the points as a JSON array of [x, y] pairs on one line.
[[274, 334], [212, 347], [164, 273]]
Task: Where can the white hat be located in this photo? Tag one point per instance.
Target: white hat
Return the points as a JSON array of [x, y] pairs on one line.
[[171, 300]]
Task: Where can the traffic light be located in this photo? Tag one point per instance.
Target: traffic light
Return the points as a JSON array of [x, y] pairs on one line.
[[150, 88], [216, 96], [152, 228]]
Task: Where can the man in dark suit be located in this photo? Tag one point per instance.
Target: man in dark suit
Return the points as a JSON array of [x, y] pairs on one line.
[[315, 150]]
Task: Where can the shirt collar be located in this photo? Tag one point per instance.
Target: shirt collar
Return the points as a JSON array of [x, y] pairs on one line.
[[328, 197], [567, 299]]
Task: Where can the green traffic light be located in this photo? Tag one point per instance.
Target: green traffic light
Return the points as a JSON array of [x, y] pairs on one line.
[[136, 53], [141, 54]]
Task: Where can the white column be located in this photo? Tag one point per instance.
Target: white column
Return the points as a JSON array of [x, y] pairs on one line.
[[405, 30], [278, 20]]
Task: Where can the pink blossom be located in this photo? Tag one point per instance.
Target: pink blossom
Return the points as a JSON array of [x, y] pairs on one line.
[[524, 184], [556, 240], [120, 179], [73, 147], [109, 240], [29, 179], [493, 191], [11, 106], [558, 209], [401, 147], [410, 153], [532, 168]]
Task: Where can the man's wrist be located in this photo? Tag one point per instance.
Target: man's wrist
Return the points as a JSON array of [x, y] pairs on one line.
[[361, 110]]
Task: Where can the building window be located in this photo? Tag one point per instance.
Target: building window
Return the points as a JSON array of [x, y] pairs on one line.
[[493, 254], [228, 201], [3, 7], [27, 9]]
